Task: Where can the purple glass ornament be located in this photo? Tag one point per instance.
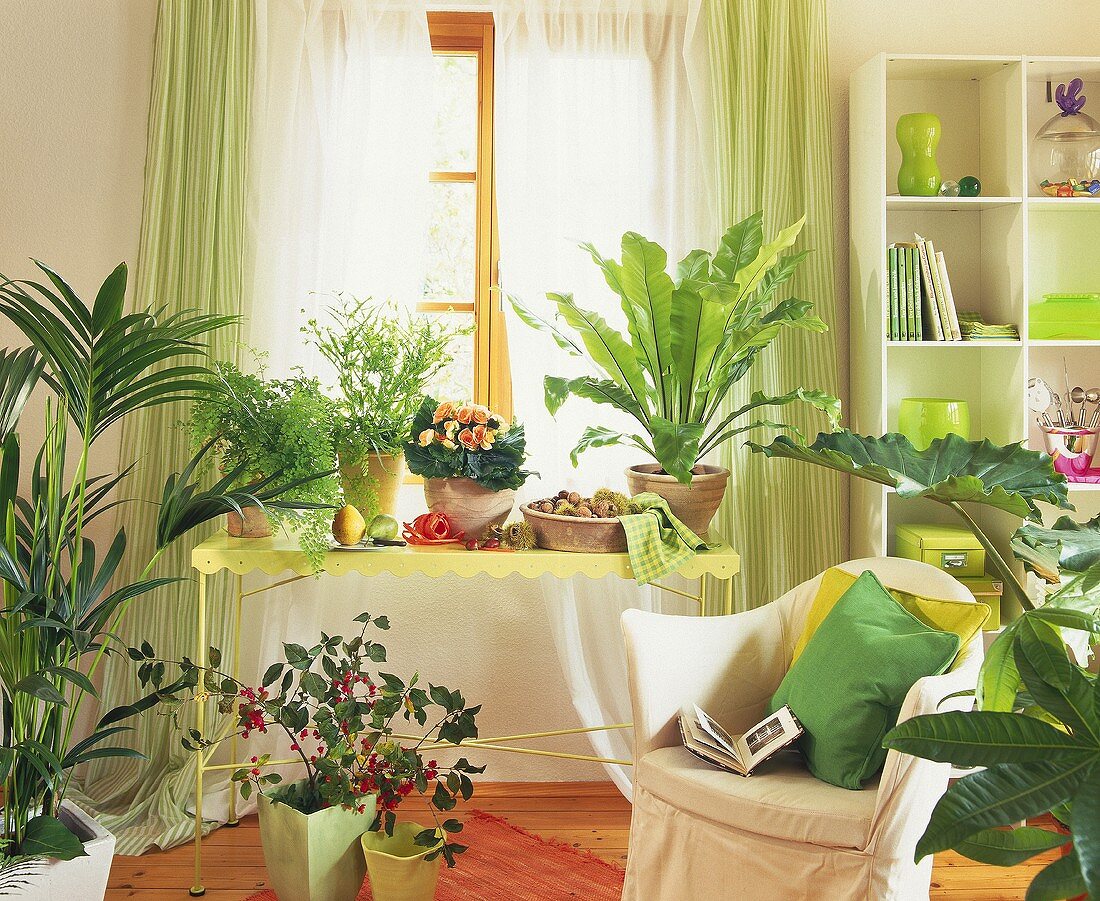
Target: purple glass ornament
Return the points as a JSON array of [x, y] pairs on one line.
[[1072, 100]]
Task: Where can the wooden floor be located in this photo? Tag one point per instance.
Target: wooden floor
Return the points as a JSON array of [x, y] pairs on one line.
[[589, 815]]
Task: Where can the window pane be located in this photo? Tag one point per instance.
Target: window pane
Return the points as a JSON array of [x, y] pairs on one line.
[[456, 113], [451, 242], [456, 380]]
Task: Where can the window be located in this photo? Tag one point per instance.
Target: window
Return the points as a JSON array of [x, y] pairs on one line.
[[462, 259]]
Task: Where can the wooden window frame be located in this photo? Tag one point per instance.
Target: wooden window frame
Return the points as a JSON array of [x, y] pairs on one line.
[[471, 33]]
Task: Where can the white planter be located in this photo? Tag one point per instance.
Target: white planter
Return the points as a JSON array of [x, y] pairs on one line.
[[84, 878]]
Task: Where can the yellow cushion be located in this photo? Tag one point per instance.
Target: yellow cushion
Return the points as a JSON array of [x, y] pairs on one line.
[[961, 617]]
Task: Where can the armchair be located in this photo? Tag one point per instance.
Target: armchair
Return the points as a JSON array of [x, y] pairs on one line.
[[698, 832]]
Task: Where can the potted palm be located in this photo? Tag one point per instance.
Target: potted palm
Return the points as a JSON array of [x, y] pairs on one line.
[[691, 338], [261, 427], [384, 359], [472, 463], [63, 596], [339, 715], [1035, 732]]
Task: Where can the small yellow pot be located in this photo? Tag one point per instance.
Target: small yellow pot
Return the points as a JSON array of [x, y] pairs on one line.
[[396, 865], [371, 483]]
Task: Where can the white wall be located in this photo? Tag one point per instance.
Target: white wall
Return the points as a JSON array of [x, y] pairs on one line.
[[73, 103]]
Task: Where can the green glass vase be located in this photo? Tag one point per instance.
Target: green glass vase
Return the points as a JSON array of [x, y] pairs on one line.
[[918, 136], [924, 419]]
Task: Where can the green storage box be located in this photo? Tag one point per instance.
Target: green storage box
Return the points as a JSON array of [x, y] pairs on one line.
[[988, 590], [1065, 317], [950, 548]]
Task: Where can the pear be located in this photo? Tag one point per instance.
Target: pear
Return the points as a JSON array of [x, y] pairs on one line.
[[348, 526]]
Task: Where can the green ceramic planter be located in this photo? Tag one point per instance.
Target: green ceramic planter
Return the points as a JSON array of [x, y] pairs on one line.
[[314, 857], [398, 871]]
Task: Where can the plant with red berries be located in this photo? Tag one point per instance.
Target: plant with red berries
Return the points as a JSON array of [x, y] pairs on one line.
[[341, 717]]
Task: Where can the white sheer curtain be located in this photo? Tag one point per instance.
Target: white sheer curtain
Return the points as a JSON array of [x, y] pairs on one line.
[[337, 202], [602, 127]]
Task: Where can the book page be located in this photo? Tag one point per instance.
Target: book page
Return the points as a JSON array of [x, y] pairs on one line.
[[767, 736]]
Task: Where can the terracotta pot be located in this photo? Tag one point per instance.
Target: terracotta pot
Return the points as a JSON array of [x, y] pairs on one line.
[[372, 488], [470, 507], [571, 533], [398, 871], [316, 856], [693, 504], [254, 524]]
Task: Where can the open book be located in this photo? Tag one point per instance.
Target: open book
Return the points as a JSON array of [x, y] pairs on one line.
[[710, 742]]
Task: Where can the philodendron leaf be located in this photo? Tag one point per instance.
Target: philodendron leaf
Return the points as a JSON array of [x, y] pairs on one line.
[[1008, 847], [1067, 545], [47, 836], [950, 470], [1059, 880]]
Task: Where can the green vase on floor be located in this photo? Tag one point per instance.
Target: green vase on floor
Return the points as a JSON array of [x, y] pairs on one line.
[[396, 865], [918, 136]]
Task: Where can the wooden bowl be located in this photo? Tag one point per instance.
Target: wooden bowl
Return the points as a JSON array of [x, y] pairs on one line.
[[573, 533]]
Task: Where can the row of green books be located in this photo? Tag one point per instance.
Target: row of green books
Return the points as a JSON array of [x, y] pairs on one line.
[[922, 306]]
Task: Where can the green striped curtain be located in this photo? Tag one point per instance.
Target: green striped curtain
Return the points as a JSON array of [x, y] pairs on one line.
[[769, 67], [192, 231]]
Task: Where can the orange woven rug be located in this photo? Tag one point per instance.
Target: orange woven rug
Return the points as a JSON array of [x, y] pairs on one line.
[[505, 863]]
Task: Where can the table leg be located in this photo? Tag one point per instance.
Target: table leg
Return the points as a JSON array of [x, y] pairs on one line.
[[703, 596], [200, 724], [233, 821], [727, 597]]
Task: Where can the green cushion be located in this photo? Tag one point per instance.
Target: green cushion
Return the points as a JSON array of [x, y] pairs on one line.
[[849, 683]]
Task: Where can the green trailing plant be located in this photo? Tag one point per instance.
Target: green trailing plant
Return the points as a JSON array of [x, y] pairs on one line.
[[466, 440], [1036, 727], [263, 429], [63, 596], [691, 338], [384, 358], [341, 716]]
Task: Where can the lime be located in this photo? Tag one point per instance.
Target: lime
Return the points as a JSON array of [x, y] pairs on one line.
[[383, 526]]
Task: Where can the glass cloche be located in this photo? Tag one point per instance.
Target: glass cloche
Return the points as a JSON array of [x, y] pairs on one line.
[[1065, 154]]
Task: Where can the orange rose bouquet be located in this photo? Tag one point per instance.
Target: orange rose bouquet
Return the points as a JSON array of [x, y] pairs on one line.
[[466, 440]]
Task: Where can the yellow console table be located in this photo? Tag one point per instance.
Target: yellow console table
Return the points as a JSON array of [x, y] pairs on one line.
[[280, 554]]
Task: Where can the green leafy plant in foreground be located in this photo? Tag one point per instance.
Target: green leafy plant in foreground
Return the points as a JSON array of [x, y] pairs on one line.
[[340, 714], [1036, 729], [63, 596], [691, 339]]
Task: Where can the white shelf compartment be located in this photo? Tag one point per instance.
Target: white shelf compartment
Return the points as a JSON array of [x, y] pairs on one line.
[[956, 204]]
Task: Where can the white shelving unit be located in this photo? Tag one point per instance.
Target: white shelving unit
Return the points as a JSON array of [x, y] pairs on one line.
[[1005, 250]]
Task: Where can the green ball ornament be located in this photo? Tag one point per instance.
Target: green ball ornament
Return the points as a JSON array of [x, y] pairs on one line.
[[969, 186]]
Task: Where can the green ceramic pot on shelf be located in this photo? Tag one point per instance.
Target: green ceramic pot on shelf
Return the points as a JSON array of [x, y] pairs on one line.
[[918, 137], [396, 865], [923, 419]]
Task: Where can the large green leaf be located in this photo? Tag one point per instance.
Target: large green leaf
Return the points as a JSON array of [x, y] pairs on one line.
[[740, 246], [697, 330], [1058, 880], [750, 276], [1056, 684], [601, 391], [598, 436], [648, 293], [1008, 847], [47, 836], [1067, 545], [676, 446], [819, 400], [981, 738], [999, 680], [951, 470], [605, 346], [998, 796], [1086, 829]]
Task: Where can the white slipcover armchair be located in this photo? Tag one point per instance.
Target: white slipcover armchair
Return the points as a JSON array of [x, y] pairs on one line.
[[701, 834]]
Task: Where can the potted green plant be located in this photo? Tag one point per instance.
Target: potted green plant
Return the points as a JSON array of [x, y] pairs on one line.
[[472, 463], [384, 359], [260, 427], [691, 338], [63, 596], [340, 717], [1036, 730]]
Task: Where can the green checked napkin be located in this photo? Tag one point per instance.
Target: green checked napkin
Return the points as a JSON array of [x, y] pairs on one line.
[[657, 542]]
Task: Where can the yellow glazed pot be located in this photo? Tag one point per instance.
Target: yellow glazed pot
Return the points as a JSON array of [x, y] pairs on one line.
[[370, 483], [313, 857], [396, 865]]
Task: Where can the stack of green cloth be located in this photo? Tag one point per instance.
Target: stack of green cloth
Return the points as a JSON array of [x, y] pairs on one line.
[[656, 541], [975, 328]]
